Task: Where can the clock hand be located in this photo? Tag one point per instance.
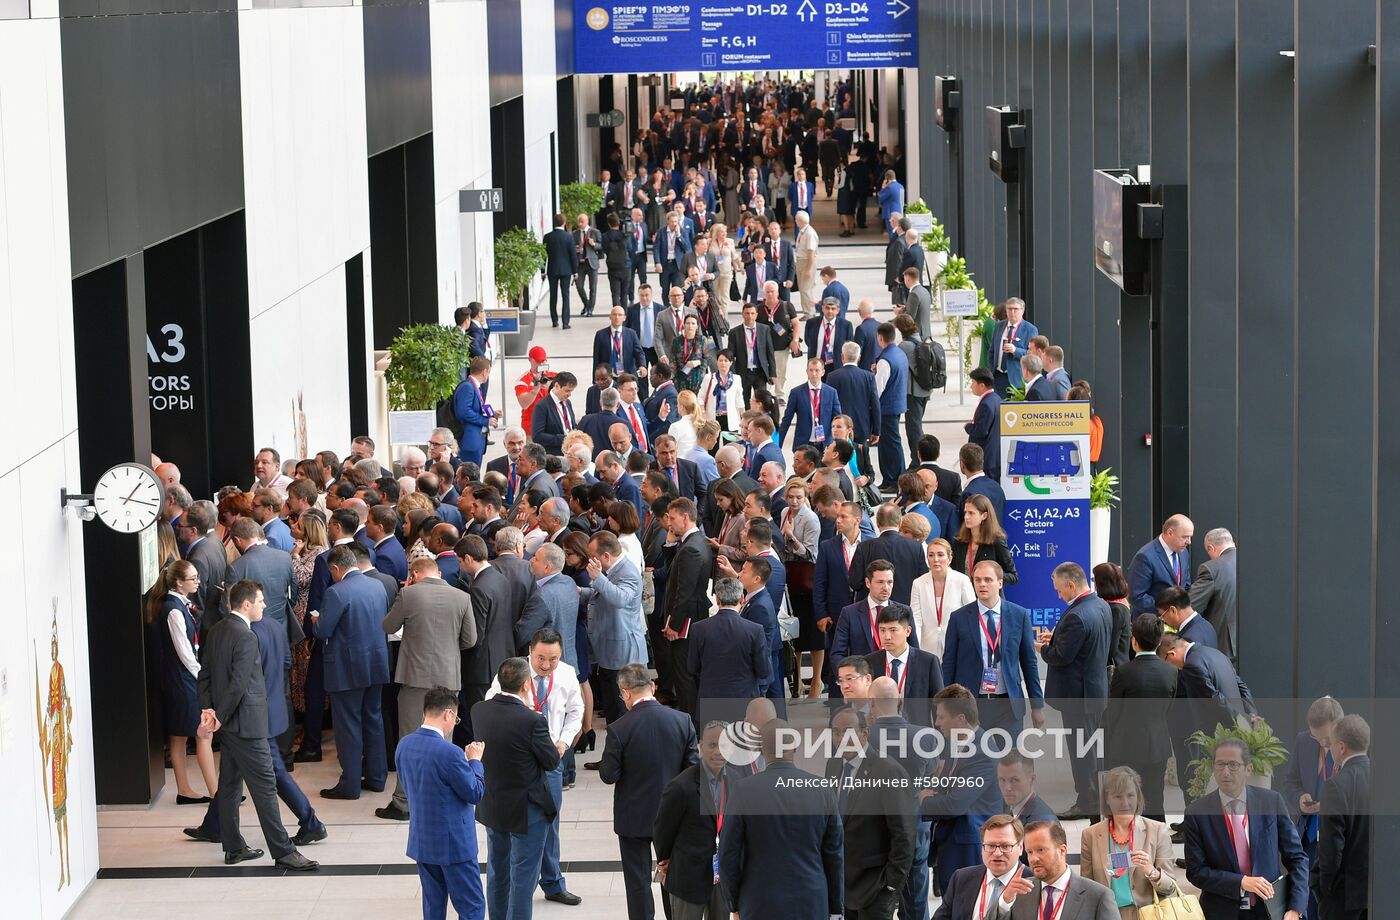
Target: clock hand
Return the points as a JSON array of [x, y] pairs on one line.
[[133, 492], [139, 502]]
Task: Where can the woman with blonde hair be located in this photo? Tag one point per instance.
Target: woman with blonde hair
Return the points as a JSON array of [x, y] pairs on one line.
[[310, 540], [914, 526], [683, 427], [168, 613], [982, 538], [1144, 843], [726, 260], [936, 594]]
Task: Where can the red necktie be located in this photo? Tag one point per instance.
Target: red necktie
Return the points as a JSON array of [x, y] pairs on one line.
[[617, 348], [637, 428], [816, 407], [826, 344]]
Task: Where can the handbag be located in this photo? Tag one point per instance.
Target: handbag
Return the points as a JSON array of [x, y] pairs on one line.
[[734, 286], [1176, 907]]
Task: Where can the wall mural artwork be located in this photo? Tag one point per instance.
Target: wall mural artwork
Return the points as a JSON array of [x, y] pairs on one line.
[[54, 713]]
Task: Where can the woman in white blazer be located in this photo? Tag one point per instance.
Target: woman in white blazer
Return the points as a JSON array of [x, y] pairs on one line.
[[683, 428], [935, 595], [721, 388]]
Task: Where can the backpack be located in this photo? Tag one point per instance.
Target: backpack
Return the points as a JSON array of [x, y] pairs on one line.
[[446, 418], [930, 365]]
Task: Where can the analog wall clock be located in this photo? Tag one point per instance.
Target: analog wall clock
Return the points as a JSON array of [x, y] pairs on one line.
[[128, 498]]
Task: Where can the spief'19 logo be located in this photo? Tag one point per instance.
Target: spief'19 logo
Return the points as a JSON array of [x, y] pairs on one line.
[[597, 19]]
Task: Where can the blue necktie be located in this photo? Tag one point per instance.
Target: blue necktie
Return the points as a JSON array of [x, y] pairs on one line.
[[541, 696], [894, 670]]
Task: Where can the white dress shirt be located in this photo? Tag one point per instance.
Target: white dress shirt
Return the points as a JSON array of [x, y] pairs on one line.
[[564, 711]]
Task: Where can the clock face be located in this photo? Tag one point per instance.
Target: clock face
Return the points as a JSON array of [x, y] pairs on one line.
[[128, 498]]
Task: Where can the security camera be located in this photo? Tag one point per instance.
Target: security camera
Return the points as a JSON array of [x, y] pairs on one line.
[[82, 505], [86, 512]]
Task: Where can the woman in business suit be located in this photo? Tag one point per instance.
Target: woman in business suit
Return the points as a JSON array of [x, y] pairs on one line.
[[720, 397], [576, 557], [168, 612], [1112, 585], [801, 531], [730, 542], [982, 538], [936, 594], [1147, 844]]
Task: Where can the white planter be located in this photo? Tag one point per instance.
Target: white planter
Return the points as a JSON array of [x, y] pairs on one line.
[[413, 427], [1099, 521], [937, 261]]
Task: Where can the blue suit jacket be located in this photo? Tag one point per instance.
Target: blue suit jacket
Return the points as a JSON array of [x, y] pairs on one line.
[[656, 425], [959, 809], [1199, 632], [853, 635], [799, 404], [1011, 364], [275, 655], [1150, 572], [766, 453], [948, 516], [279, 535], [729, 656], [547, 428], [891, 201], [841, 333], [471, 413], [1058, 380], [553, 604], [985, 431], [1274, 849], [632, 356], [596, 425], [760, 610], [962, 654], [859, 398], [1042, 390], [830, 592], [658, 246], [627, 490], [1301, 775], [444, 787], [986, 485], [865, 336], [840, 292], [352, 618], [390, 559], [1078, 653], [320, 582], [809, 202]]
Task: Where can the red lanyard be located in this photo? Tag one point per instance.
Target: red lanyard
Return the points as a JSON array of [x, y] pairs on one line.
[[1113, 838], [816, 406], [903, 672], [992, 644], [688, 346], [539, 703], [875, 625], [938, 603], [1322, 764], [1059, 905], [719, 812]]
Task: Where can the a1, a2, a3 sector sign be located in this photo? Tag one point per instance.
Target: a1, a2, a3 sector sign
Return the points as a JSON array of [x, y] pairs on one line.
[[659, 37]]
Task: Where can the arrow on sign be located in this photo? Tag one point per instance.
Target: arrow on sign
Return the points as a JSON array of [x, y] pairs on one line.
[[903, 8], [808, 12]]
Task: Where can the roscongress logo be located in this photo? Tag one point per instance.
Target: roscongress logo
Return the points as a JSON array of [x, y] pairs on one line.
[[597, 19]]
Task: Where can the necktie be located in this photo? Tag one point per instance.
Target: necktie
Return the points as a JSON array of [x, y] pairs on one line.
[[894, 669], [992, 653], [672, 472], [751, 333], [991, 906], [1176, 567], [617, 350], [1240, 838], [875, 630], [541, 696], [826, 344], [1047, 909], [816, 407], [637, 428], [514, 481]]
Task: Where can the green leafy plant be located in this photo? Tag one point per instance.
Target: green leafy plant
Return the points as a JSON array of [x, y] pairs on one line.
[[1015, 393], [1103, 489], [1265, 748], [955, 276], [580, 198], [917, 206], [936, 240], [425, 365], [519, 257]]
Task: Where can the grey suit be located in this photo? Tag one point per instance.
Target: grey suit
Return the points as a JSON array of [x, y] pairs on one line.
[[539, 481], [271, 568], [231, 684], [1086, 900], [497, 601], [616, 633], [517, 570], [554, 604], [918, 303], [437, 623], [1213, 597], [211, 562]]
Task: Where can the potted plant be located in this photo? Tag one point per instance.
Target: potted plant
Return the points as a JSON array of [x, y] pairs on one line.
[[579, 198], [1266, 751], [1103, 495], [520, 256], [426, 363], [1015, 393]]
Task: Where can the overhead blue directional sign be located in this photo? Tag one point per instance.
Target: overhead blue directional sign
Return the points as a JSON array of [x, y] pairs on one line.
[[657, 37]]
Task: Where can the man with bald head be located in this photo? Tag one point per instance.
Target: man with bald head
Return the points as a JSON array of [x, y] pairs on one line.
[[361, 511], [1163, 563], [168, 473], [442, 539]]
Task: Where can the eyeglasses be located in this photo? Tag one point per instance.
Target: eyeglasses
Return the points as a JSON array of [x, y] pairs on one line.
[[1000, 847], [437, 444], [1234, 766]]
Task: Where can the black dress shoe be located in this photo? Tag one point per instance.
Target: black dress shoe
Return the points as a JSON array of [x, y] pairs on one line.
[[1180, 863], [567, 327], [192, 800], [365, 785], [200, 834], [295, 862], [309, 836], [391, 812], [595, 765], [306, 757], [335, 792], [243, 855], [564, 897]]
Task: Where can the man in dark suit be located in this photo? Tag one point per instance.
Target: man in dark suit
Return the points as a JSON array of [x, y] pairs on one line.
[[599, 425], [781, 824], [444, 787], [687, 598], [1077, 653], [233, 700], [1301, 780], [917, 673], [758, 273], [1135, 723], [972, 891], [683, 474], [517, 807], [877, 824], [814, 405], [1213, 590], [894, 258], [857, 628], [1343, 869], [859, 397], [1174, 607], [207, 556], [618, 347], [685, 832], [1163, 563], [638, 239], [588, 244], [729, 461], [835, 289], [728, 655], [496, 602], [906, 555], [985, 428], [661, 407], [970, 460], [971, 793], [389, 556], [764, 450], [1239, 838], [929, 448], [561, 262], [780, 254], [668, 248], [356, 661], [1010, 340], [831, 590], [1037, 388], [1210, 692], [1016, 779], [554, 415], [989, 647], [642, 317], [826, 334], [642, 754]]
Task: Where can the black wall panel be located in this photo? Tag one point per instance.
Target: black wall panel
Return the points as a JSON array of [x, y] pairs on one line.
[[504, 49], [403, 239], [398, 73], [153, 129]]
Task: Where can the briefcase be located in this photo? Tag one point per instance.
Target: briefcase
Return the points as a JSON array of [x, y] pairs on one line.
[[1176, 907]]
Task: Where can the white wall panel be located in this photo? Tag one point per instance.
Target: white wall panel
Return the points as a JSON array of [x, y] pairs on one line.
[[299, 369], [305, 162]]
